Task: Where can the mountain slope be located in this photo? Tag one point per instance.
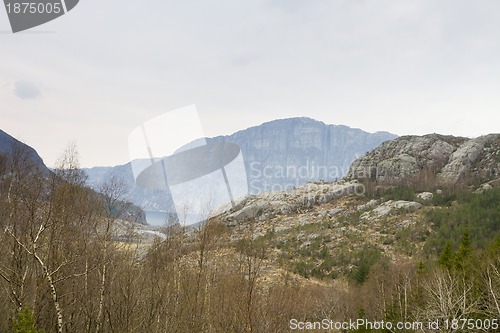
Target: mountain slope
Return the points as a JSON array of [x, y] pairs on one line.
[[10, 146], [28, 157]]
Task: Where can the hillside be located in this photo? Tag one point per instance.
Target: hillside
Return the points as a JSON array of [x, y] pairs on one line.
[[10, 146], [389, 202]]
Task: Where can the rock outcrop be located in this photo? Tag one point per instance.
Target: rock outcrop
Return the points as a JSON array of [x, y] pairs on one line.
[[477, 158], [391, 207], [450, 159], [268, 205]]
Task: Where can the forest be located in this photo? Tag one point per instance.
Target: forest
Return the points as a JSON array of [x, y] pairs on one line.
[[62, 268]]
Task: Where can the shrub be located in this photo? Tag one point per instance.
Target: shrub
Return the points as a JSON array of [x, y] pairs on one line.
[[24, 322]]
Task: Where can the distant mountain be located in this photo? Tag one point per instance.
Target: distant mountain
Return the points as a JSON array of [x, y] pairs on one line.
[[9, 146], [280, 154], [287, 153], [145, 198]]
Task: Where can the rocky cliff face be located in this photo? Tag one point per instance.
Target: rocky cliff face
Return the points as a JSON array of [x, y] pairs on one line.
[[450, 159], [286, 153]]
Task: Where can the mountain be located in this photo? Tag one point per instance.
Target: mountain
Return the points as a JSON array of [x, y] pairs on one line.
[[290, 152], [433, 158], [10, 146], [279, 154]]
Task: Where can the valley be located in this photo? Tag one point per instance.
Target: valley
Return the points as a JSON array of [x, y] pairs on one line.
[[410, 234]]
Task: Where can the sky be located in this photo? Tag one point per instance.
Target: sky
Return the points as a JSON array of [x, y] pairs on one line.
[[93, 75]]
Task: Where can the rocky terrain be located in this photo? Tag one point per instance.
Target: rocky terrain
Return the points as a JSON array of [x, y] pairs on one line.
[[450, 159], [346, 221], [324, 230], [266, 206]]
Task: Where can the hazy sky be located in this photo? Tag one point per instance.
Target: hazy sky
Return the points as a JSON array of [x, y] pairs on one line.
[[93, 75]]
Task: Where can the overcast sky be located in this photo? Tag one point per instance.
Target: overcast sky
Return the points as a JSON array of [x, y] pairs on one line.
[[93, 75]]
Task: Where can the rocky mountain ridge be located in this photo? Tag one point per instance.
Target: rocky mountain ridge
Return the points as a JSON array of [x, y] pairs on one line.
[[450, 159], [295, 151]]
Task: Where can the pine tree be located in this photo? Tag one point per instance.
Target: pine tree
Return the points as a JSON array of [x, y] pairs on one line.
[[464, 250], [446, 258], [25, 322]]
